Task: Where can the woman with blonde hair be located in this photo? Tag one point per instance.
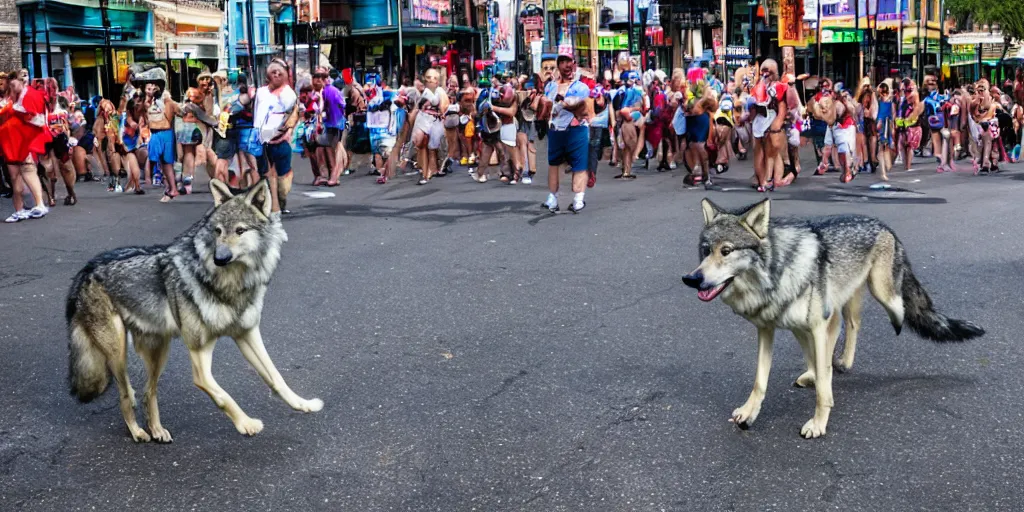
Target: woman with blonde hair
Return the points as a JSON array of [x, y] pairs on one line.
[[428, 132]]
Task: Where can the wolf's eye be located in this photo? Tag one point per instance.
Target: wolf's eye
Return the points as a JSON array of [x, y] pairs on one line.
[[239, 231], [217, 231], [725, 251]]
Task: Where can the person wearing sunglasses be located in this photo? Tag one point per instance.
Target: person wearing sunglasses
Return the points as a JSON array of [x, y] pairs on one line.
[[908, 122]]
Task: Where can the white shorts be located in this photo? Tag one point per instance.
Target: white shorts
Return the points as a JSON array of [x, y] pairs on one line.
[[508, 134], [844, 139], [432, 127], [762, 123], [794, 137]]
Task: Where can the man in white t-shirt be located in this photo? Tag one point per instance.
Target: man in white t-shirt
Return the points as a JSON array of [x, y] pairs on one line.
[[274, 116]]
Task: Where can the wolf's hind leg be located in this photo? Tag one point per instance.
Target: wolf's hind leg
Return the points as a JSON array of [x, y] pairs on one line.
[[745, 415], [251, 345], [153, 350], [116, 348], [202, 376], [851, 319], [880, 280]]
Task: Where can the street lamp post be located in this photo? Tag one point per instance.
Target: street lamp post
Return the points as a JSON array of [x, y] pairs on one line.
[[643, 6]]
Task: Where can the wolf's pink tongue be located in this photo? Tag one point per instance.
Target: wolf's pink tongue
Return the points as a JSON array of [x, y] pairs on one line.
[[709, 294]]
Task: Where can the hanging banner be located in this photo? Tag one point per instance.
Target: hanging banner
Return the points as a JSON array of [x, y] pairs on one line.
[[791, 23], [502, 30]]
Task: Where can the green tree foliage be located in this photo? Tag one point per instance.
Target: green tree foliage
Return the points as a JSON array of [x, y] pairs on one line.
[[1008, 14]]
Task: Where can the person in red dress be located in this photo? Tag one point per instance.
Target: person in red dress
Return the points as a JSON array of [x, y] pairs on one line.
[[23, 138]]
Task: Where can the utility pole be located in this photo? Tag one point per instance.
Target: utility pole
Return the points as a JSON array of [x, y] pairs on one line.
[[108, 74], [921, 50], [821, 61], [547, 20], [250, 21], [632, 10]]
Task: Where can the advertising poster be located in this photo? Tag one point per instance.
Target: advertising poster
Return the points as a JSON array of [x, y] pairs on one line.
[[791, 23], [502, 30]]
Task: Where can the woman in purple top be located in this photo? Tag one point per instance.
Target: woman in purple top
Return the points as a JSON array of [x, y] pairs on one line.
[[330, 150]]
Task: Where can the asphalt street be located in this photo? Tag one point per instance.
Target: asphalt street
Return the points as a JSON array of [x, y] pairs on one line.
[[477, 353]]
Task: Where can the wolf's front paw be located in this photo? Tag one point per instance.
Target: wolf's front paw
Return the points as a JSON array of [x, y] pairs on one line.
[[139, 435], [249, 426], [161, 434], [313, 405], [806, 380], [813, 428], [744, 416]]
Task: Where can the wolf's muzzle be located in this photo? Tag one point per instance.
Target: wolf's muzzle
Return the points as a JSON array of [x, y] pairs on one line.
[[694, 280], [222, 256]]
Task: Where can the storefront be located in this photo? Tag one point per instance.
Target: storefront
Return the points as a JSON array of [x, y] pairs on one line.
[[573, 29], [69, 42], [429, 32]]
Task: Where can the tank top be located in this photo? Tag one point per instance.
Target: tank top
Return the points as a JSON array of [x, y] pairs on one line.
[[155, 116]]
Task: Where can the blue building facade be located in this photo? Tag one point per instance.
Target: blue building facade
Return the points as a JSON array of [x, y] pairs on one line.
[[245, 20], [86, 43]]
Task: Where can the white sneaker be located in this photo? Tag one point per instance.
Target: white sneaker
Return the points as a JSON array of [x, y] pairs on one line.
[[480, 178], [38, 212], [17, 216], [118, 189], [527, 180], [512, 182]]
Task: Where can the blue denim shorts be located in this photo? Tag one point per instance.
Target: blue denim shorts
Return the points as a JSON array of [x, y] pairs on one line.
[[162, 147], [279, 155], [571, 146]]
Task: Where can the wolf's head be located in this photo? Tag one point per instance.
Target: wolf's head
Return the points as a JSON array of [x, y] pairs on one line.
[[730, 245], [240, 229]]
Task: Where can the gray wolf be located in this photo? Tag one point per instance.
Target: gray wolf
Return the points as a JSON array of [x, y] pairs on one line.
[[798, 275], [209, 282]]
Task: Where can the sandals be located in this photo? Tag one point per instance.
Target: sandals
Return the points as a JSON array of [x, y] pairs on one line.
[[846, 177], [319, 182], [692, 179], [382, 180], [332, 184], [629, 177], [167, 198], [721, 168], [767, 187], [70, 201]]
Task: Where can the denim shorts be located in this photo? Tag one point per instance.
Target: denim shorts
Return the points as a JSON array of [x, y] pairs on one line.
[[571, 146], [279, 155], [162, 147]]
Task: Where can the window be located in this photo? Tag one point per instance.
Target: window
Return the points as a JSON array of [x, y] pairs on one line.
[[264, 36], [239, 22]]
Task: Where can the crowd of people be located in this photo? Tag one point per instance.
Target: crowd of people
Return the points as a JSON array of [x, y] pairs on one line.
[[240, 133]]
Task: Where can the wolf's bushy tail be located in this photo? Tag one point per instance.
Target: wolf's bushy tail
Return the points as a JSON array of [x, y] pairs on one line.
[[920, 314], [87, 365]]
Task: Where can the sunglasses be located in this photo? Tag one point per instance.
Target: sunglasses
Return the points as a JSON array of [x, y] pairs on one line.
[[321, 75]]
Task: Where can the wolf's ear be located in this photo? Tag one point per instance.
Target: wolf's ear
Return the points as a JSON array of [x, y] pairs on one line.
[[711, 210], [259, 197], [756, 218], [221, 192]]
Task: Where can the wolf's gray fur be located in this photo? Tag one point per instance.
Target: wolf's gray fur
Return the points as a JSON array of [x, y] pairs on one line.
[[210, 282], [795, 274]]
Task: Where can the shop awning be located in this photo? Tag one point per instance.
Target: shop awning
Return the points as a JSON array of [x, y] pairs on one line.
[[975, 38], [414, 30]]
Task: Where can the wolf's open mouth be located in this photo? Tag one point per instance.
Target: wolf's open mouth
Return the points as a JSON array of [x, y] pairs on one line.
[[709, 294]]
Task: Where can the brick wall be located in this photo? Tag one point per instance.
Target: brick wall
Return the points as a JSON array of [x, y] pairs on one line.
[[10, 52]]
